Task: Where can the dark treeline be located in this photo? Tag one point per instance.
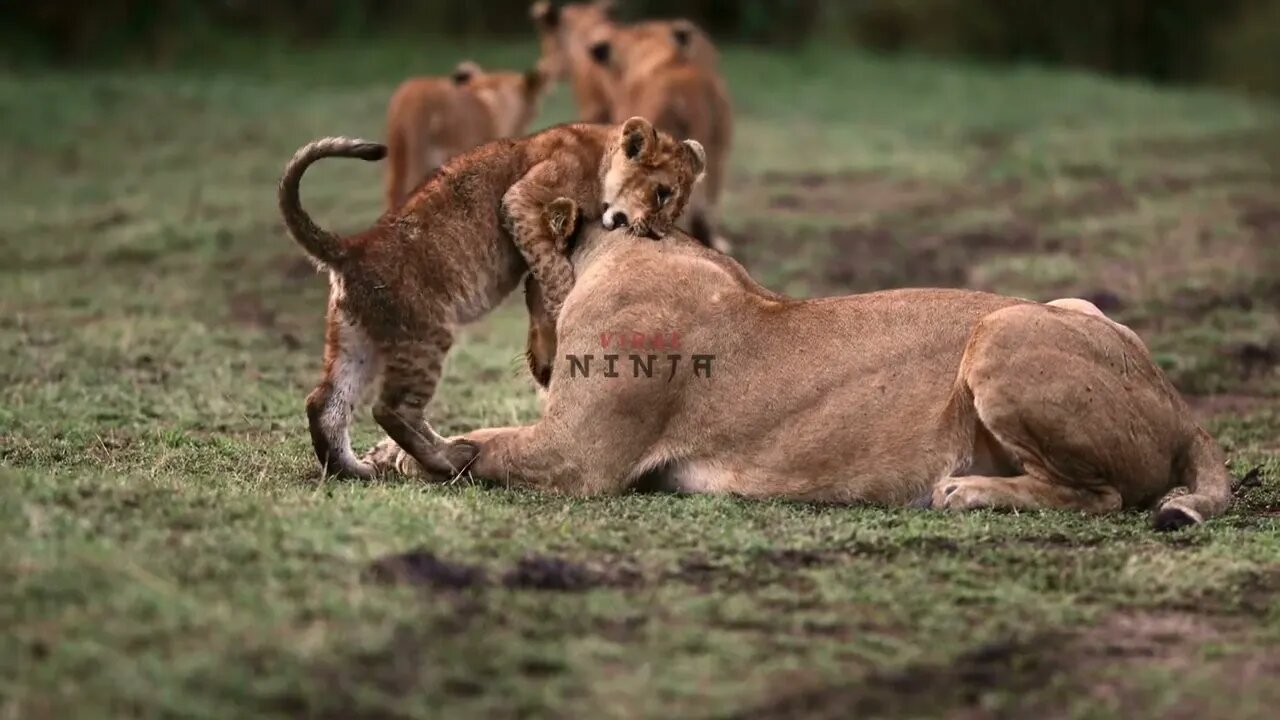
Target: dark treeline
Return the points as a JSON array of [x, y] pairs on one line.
[[1230, 41]]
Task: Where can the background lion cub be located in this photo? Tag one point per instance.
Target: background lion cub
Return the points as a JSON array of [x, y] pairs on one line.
[[431, 119], [667, 71], [456, 248]]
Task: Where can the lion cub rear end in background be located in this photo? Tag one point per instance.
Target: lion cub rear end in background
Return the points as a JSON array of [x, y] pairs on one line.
[[452, 252], [432, 119]]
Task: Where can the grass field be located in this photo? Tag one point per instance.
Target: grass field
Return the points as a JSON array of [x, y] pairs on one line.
[[168, 549]]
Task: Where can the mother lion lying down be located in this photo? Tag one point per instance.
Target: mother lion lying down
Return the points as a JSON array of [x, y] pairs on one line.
[[950, 398]]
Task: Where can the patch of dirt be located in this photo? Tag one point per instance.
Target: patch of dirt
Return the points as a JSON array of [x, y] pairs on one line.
[[1035, 676], [1254, 359], [1260, 592], [853, 193], [1106, 300], [921, 688], [1102, 197], [539, 572], [533, 572], [1264, 219], [1195, 304], [248, 309], [874, 259], [423, 567], [295, 268]]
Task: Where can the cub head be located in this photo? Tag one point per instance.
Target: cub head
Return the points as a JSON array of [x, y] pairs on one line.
[[563, 32], [647, 178], [511, 97], [563, 219]]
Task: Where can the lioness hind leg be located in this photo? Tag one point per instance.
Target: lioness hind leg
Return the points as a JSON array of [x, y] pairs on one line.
[[1202, 470], [1023, 492]]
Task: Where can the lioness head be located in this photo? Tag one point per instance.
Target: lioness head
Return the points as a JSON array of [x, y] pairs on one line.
[[512, 97], [562, 218], [563, 32], [647, 178], [648, 44]]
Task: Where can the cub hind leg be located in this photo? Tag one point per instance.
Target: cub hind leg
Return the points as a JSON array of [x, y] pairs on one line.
[[412, 371], [350, 364]]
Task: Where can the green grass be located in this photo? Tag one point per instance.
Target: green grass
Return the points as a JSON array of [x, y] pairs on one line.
[[167, 549]]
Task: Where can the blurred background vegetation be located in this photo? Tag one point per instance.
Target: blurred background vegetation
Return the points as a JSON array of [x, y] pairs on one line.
[[1226, 42]]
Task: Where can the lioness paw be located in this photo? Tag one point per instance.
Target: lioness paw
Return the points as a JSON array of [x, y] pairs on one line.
[[383, 456], [959, 496]]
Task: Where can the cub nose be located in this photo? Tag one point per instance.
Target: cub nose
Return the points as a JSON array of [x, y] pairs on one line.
[[614, 219]]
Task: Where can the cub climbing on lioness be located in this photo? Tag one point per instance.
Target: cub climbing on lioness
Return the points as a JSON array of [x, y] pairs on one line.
[[431, 119], [452, 252]]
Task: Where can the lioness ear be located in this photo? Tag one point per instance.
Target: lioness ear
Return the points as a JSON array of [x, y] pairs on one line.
[[534, 80], [682, 33], [638, 138], [463, 73], [600, 51], [545, 14], [698, 156]]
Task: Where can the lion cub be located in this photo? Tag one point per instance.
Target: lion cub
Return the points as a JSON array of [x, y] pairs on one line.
[[431, 119], [456, 248], [667, 71]]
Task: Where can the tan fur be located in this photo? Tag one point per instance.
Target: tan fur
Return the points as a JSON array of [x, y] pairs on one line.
[[953, 398], [432, 119], [565, 33], [667, 71], [455, 249]]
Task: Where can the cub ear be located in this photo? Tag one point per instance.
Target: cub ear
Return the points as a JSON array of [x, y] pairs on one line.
[[562, 216], [638, 138], [464, 72], [545, 14], [606, 6], [682, 32], [697, 156], [601, 51]]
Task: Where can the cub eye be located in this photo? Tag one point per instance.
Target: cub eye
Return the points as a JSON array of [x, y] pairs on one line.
[[662, 194]]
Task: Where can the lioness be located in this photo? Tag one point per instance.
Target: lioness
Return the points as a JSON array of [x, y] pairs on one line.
[[956, 398], [565, 33], [666, 71], [457, 247], [432, 119]]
